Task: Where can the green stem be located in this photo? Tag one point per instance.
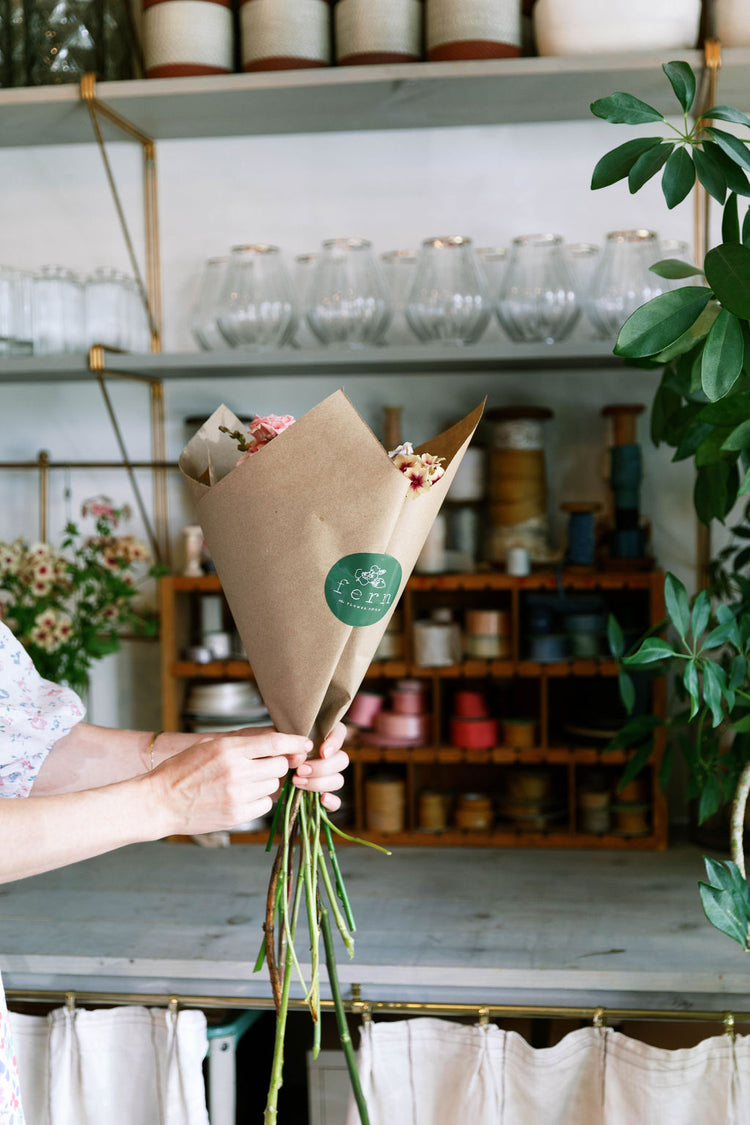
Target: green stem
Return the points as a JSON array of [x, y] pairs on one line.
[[340, 888], [340, 922], [292, 809], [344, 1036], [277, 1066], [281, 803], [313, 994], [353, 839]]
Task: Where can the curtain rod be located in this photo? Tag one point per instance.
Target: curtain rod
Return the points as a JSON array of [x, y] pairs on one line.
[[369, 1008]]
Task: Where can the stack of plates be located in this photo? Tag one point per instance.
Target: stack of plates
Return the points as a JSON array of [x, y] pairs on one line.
[[225, 706]]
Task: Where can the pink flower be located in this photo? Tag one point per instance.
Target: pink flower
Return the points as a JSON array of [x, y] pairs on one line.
[[262, 429]]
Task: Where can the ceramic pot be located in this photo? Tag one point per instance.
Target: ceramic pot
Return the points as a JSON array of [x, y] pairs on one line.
[[583, 27]]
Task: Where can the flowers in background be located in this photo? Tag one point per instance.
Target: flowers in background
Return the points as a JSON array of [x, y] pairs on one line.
[[260, 431], [69, 605]]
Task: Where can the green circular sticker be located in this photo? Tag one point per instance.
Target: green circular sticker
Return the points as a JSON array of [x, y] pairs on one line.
[[361, 588]]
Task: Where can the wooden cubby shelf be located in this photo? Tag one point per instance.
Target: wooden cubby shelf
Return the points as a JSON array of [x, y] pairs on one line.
[[552, 694]]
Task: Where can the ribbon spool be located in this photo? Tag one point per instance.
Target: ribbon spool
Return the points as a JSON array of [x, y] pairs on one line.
[[518, 484], [385, 800], [627, 540], [581, 532], [185, 37], [372, 32]]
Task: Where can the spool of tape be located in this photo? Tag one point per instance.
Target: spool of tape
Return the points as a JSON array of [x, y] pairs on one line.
[[473, 734]]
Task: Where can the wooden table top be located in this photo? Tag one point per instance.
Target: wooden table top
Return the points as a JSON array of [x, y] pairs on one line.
[[476, 926]]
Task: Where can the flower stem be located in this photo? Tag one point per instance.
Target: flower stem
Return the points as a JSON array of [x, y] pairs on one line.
[[344, 1036], [340, 888], [352, 839], [277, 1066], [738, 818]]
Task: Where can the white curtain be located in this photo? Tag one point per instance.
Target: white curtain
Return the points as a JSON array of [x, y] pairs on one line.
[[120, 1066], [434, 1072]]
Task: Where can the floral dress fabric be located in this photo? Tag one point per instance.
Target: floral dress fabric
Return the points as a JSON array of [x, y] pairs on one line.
[[34, 714]]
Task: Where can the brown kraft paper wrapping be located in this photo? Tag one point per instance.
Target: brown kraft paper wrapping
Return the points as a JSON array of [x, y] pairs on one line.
[[281, 527]]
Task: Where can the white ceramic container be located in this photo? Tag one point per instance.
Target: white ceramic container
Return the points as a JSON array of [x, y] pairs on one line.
[[584, 27]]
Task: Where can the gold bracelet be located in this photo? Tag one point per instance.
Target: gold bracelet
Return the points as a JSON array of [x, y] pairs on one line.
[[152, 744]]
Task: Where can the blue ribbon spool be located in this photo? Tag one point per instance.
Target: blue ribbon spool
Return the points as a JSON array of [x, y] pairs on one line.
[[581, 539]]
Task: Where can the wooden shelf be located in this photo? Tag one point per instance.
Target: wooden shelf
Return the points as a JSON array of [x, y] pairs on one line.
[[342, 99], [498, 755]]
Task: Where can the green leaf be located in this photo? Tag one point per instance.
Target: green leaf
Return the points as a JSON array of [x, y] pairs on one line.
[[711, 798], [722, 912], [616, 164], [723, 355], [692, 687], [730, 221], [739, 438], [710, 175], [709, 451], [714, 683], [633, 733], [652, 649], [718, 636], [648, 164], [635, 764], [700, 615], [627, 691], [695, 333], [726, 876], [678, 178], [744, 489], [746, 228], [742, 726], [678, 606], [728, 273], [615, 637], [727, 411], [661, 321], [735, 178], [625, 109], [725, 113], [666, 403], [732, 146], [682, 79], [674, 268]]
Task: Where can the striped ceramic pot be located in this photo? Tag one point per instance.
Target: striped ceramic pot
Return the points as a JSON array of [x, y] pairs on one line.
[[378, 31], [285, 34], [473, 29], [183, 37]]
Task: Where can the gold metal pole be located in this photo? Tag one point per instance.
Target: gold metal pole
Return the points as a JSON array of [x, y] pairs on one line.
[[599, 1016], [43, 466]]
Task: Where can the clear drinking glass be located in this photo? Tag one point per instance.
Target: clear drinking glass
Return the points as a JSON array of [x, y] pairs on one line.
[[106, 312], [450, 298], [623, 281], [399, 267], [256, 304], [302, 336], [15, 312], [537, 302], [203, 318], [138, 327], [59, 320], [348, 301]]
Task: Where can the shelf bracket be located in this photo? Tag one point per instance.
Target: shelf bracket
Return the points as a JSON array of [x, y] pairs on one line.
[[158, 532], [150, 290]]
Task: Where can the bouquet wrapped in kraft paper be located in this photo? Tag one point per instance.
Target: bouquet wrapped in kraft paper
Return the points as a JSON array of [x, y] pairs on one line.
[[313, 538]]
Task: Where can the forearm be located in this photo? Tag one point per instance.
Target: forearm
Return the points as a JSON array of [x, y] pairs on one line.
[[91, 756], [42, 833]]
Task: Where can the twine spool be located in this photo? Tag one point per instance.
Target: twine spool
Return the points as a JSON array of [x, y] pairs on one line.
[[437, 644], [432, 811], [518, 485], [473, 29], [594, 812], [487, 635], [285, 34], [474, 812], [184, 37], [378, 31], [520, 734], [385, 800], [631, 819], [581, 533], [529, 785]]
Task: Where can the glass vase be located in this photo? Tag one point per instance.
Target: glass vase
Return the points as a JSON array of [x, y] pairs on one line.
[[203, 320], [64, 40], [256, 306], [347, 298], [538, 302], [623, 280], [450, 298]]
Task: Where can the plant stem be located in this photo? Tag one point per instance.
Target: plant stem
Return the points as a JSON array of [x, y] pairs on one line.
[[340, 888], [344, 1036], [277, 1066], [738, 819], [353, 839], [340, 921]]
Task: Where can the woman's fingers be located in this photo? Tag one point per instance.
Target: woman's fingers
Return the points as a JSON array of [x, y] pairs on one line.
[[331, 745], [331, 802]]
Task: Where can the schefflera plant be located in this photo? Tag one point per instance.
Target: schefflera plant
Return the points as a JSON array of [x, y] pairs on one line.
[[699, 334]]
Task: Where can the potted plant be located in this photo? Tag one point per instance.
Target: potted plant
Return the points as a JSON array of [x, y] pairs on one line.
[[69, 605], [699, 334]]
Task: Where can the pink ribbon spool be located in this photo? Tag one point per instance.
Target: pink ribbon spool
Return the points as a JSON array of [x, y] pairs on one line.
[[365, 708]]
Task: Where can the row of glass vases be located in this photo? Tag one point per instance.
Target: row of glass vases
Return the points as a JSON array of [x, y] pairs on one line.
[[55, 311], [447, 292]]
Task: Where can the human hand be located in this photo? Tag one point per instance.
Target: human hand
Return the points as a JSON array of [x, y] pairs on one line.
[[222, 780], [325, 773]]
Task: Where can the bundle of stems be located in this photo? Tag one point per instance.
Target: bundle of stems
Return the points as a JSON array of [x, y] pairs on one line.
[[306, 868]]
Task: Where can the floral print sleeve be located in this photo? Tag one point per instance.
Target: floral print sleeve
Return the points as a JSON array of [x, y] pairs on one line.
[[34, 714]]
